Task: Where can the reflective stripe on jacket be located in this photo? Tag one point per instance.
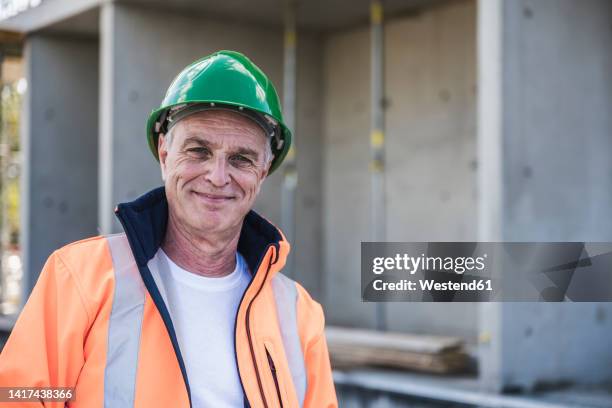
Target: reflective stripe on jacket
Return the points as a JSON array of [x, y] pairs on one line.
[[97, 321]]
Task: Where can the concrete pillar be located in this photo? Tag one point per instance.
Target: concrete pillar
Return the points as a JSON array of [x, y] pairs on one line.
[[131, 85], [431, 136], [59, 144], [308, 243], [545, 74]]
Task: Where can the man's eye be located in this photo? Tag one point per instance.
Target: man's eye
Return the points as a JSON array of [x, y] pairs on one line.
[[241, 159]]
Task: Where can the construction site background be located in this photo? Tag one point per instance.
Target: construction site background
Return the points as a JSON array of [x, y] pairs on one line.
[[414, 120]]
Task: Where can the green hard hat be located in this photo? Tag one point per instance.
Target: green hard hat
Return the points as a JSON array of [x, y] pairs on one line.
[[224, 80]]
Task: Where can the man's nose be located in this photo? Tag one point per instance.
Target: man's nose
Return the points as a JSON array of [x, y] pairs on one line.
[[218, 173]]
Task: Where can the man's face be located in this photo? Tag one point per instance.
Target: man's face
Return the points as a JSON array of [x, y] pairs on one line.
[[213, 168]]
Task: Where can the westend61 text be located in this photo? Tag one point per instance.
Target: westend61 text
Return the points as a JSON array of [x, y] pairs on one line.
[[429, 285], [413, 263]]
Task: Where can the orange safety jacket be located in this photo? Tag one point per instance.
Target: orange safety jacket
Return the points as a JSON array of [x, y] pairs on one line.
[[97, 321]]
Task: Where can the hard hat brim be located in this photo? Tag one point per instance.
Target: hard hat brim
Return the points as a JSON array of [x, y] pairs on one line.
[[153, 127]]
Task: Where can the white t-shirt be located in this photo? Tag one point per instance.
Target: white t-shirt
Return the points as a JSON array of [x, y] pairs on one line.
[[203, 312]]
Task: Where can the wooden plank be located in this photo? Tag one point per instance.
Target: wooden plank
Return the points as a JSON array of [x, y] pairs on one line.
[[358, 347], [396, 341]]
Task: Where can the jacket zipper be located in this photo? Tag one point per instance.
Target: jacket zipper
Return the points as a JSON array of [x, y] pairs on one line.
[[248, 329], [273, 369]]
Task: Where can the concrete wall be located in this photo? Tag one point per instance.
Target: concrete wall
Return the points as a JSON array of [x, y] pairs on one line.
[[547, 176], [307, 247], [309, 209], [59, 136], [430, 148], [142, 50]]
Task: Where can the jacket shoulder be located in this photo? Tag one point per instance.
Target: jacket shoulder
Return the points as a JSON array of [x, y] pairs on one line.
[[84, 251], [89, 260], [83, 244]]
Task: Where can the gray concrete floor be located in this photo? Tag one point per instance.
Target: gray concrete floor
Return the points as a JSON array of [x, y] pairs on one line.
[[389, 388]]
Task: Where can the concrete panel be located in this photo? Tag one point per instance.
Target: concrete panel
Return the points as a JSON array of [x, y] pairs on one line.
[[309, 146], [552, 142], [142, 51], [308, 138], [430, 148], [60, 121], [346, 178], [558, 94]]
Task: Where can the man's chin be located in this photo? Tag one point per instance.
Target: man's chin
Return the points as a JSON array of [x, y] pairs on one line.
[[211, 218], [215, 219]]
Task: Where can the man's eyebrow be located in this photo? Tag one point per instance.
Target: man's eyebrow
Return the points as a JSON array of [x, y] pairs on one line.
[[197, 140]]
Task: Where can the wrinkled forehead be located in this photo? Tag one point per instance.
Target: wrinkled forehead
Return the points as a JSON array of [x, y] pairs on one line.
[[221, 126]]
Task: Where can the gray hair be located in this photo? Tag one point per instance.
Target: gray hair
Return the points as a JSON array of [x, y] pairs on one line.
[[268, 156]]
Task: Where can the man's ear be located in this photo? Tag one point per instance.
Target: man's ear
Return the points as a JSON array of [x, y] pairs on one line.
[[162, 152]]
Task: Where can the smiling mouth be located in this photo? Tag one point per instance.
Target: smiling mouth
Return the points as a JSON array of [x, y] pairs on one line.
[[214, 198]]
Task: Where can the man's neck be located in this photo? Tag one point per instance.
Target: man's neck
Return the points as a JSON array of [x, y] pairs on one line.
[[211, 255]]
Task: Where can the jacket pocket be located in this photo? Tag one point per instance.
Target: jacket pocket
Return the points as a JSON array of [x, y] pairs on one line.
[[274, 374]]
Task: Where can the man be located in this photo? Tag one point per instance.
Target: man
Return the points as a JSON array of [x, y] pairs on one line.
[[187, 307]]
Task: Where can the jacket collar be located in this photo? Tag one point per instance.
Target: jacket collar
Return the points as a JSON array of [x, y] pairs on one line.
[[145, 220]]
